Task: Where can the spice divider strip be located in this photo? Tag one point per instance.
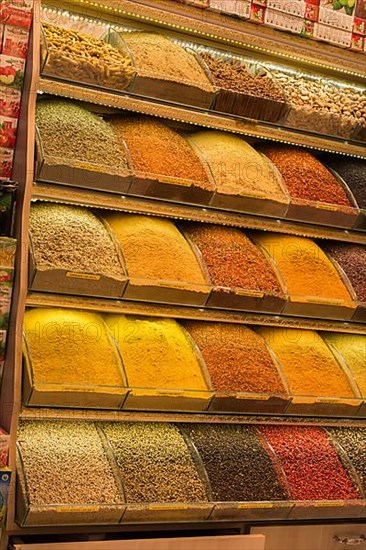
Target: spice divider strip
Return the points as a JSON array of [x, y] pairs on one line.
[[198, 117], [227, 30], [109, 201]]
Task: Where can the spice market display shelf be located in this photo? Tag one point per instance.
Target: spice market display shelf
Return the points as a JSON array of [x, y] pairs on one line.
[[154, 207], [237, 125], [211, 28]]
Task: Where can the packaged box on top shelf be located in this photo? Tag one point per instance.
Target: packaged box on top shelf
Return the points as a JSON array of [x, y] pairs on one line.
[[162, 266], [168, 70], [154, 147], [240, 8], [301, 355], [241, 276], [316, 195], [72, 252], [314, 286], [284, 21], [76, 147]]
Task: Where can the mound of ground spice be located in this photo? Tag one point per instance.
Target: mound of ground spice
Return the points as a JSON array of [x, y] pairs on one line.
[[156, 353], [232, 259], [75, 135], [308, 364], [236, 357], [311, 463], [304, 267], [153, 248], [73, 348], [154, 463], [236, 167], [352, 259], [305, 176], [74, 239], [155, 149], [157, 56], [352, 347], [353, 171], [237, 465], [353, 441]]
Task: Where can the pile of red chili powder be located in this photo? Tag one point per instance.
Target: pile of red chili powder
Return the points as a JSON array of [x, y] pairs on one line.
[[311, 463]]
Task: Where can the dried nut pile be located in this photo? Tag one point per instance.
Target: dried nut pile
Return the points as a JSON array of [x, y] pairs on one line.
[[353, 441], [344, 107], [232, 259], [156, 56], [155, 148], [305, 176], [83, 58], [354, 174], [153, 248], [352, 347], [238, 467], [236, 358], [74, 349], [309, 366], [72, 135], [74, 239], [155, 463], [305, 268], [65, 463], [232, 74], [352, 259]]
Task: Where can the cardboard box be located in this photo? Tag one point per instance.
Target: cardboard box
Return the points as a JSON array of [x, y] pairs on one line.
[[12, 71], [16, 12], [10, 101], [15, 41]]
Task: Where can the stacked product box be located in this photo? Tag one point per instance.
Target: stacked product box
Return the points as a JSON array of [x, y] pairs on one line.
[[15, 23]]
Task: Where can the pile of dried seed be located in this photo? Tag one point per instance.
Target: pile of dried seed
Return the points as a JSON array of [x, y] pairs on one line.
[[81, 57], [155, 149], [353, 441], [74, 239], [65, 463], [232, 259], [354, 174], [237, 465], [237, 358], [352, 259], [72, 134], [233, 74], [156, 56], [311, 463], [306, 177], [155, 463]]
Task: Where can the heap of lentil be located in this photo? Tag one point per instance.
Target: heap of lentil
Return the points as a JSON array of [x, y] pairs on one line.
[[233, 74], [237, 465], [353, 441], [74, 239], [155, 463], [352, 259], [354, 174], [153, 248], [72, 347], [65, 463], [156, 56], [305, 176], [236, 357], [155, 148], [352, 347], [237, 168], [308, 364], [156, 353], [232, 259], [305, 268], [311, 463], [75, 135]]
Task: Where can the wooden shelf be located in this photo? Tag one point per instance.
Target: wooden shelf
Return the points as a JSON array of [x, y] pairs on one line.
[[107, 305], [200, 117], [99, 199], [213, 27]]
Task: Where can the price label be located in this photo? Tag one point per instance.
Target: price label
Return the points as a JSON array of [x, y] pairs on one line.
[[87, 276], [164, 507], [256, 505], [77, 509], [322, 206], [325, 504]]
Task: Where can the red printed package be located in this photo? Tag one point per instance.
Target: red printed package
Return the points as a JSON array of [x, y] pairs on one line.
[[6, 163], [8, 131], [15, 41], [16, 12], [10, 102], [257, 13], [12, 71]]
